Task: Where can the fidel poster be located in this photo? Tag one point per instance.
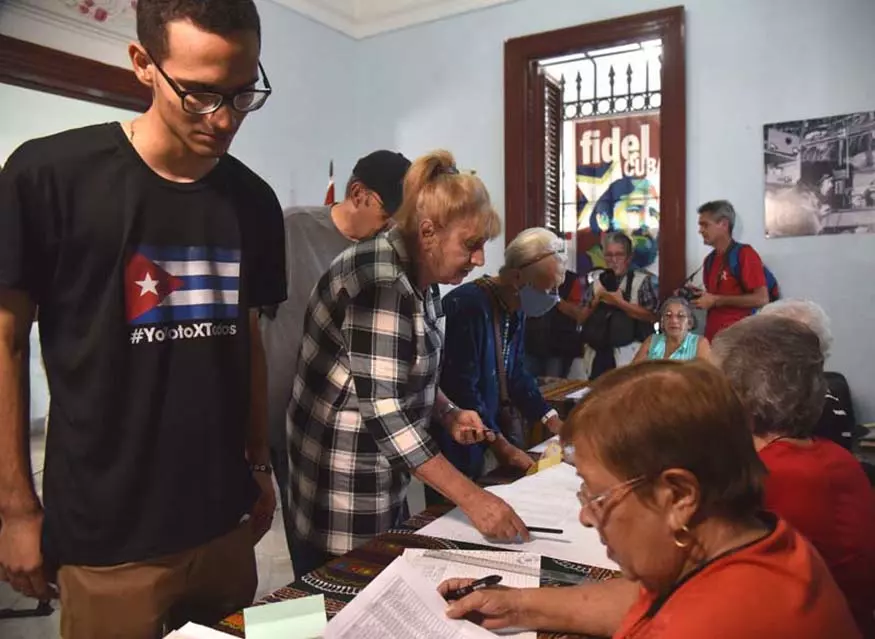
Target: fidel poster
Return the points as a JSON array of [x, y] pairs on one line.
[[618, 168]]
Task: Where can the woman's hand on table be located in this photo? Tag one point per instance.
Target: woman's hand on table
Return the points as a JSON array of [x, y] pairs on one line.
[[509, 455], [492, 608], [520, 460], [494, 518]]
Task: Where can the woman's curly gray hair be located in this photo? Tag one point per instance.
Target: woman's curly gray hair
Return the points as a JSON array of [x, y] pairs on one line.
[[685, 303], [775, 365], [809, 313]]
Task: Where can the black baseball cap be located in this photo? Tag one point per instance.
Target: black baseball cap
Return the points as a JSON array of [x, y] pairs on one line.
[[383, 173]]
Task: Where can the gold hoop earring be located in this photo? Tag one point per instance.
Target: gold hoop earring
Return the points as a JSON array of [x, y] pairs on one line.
[[683, 544]]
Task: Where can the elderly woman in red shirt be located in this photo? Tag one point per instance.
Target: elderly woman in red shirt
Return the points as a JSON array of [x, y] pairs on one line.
[[674, 487], [775, 364]]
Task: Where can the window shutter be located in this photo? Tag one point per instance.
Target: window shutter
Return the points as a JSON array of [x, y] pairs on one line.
[[546, 151], [552, 154]]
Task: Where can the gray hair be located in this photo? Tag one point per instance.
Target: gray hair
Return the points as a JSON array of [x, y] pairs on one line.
[[683, 302], [531, 246], [618, 237], [775, 365], [809, 313], [720, 210]]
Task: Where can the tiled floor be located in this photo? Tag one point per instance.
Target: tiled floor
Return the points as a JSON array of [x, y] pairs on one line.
[[272, 556]]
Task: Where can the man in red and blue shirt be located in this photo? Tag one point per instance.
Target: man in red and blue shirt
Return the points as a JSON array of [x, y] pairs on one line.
[[731, 294]]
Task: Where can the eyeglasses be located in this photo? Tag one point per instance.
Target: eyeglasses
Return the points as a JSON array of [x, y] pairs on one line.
[[206, 102], [595, 503]]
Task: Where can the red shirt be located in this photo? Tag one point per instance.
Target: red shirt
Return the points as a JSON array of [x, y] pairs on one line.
[[719, 280], [775, 588], [822, 491]]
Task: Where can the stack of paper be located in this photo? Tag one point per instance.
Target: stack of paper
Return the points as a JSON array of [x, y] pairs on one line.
[[400, 604], [516, 569], [547, 499]]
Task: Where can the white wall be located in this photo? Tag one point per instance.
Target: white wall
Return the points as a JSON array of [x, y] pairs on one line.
[[749, 62], [308, 119]]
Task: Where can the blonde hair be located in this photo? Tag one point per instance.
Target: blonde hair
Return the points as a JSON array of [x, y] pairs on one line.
[[434, 189]]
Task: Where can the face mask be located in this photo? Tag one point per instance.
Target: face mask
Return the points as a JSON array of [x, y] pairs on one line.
[[535, 303]]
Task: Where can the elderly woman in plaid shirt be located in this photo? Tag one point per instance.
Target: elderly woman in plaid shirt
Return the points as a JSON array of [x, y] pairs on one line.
[[367, 382]]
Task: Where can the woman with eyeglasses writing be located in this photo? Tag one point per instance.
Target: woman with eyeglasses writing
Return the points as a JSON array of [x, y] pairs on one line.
[[675, 490], [676, 339]]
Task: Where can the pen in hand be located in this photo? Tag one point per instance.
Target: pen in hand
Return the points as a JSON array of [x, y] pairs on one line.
[[474, 586]]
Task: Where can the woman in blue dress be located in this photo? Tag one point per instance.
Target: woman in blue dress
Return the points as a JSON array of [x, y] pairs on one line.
[[676, 339]]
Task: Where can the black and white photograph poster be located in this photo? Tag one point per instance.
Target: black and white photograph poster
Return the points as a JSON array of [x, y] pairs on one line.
[[820, 175]]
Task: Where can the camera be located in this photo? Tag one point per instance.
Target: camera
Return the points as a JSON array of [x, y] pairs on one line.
[[688, 293], [606, 277]]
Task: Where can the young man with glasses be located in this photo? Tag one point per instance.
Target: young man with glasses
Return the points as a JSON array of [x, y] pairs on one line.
[[145, 247]]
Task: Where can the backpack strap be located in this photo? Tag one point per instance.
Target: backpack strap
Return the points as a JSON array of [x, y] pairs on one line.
[[732, 259], [503, 395], [630, 280], [706, 266]]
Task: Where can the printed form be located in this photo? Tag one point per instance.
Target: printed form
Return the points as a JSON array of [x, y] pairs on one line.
[[400, 604]]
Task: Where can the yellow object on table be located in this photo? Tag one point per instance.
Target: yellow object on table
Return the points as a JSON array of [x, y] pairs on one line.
[[552, 456]]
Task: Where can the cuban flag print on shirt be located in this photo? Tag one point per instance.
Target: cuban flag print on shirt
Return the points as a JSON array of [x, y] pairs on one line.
[[181, 283]]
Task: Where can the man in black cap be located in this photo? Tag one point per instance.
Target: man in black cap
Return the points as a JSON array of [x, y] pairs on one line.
[[315, 235]]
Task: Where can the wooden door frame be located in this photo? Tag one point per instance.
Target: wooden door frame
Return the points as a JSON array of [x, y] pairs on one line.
[[519, 56], [33, 66]]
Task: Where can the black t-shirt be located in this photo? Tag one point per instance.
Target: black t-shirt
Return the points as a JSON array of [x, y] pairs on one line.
[[143, 289]]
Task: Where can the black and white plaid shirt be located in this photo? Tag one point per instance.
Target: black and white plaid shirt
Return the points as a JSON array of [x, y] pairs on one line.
[[366, 384]]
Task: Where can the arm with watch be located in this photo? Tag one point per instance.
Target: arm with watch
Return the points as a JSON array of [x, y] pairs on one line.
[[257, 449]]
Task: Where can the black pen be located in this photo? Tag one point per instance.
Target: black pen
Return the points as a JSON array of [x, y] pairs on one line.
[[474, 586], [550, 531]]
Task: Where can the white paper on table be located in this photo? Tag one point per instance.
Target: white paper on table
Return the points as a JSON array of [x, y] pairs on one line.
[[400, 604], [451, 564], [547, 499], [192, 630], [579, 393]]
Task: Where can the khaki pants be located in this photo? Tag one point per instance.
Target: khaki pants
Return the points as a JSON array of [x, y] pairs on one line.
[[138, 600]]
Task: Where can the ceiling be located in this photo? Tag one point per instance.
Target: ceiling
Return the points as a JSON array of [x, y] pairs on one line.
[[363, 18]]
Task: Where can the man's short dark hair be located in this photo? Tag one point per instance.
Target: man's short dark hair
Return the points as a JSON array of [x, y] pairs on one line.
[[222, 17]]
